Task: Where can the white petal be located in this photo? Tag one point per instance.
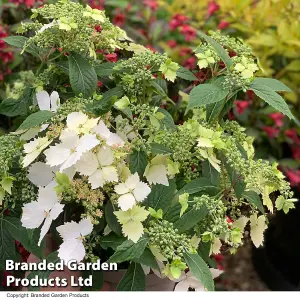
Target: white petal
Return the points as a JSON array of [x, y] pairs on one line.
[[182, 286], [29, 158], [33, 215], [55, 101], [105, 156], [88, 164], [47, 196], [71, 161], [85, 226], [72, 249], [126, 201], [56, 210], [121, 189], [110, 174], [215, 272], [87, 143], [70, 139], [157, 174], [115, 140], [40, 174], [75, 119], [31, 146], [70, 172], [69, 230], [132, 181], [102, 130], [56, 155], [45, 229], [96, 180], [43, 100], [141, 191], [43, 127]]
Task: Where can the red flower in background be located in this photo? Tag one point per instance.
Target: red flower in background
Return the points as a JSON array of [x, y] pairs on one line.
[[293, 176], [272, 132], [172, 43], [113, 57], [277, 118], [119, 18], [295, 152], [212, 8], [177, 21], [223, 25], [188, 31], [28, 3], [98, 4], [151, 4], [241, 105], [292, 134], [190, 63]]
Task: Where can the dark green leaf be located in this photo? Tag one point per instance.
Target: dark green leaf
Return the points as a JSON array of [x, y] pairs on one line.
[[271, 97], [98, 280], [111, 241], [129, 250], [63, 65], [204, 250], [167, 121], [7, 245], [19, 42], [218, 48], [190, 219], [105, 69], [134, 279], [173, 214], [27, 237], [186, 74], [274, 84], [199, 185], [204, 94], [200, 270], [161, 196], [159, 149], [83, 77], [138, 162], [36, 119], [43, 274], [237, 181], [111, 219], [208, 171], [254, 199], [158, 88], [19, 107], [148, 259]]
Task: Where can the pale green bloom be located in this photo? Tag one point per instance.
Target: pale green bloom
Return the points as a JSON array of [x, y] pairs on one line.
[[122, 103], [67, 24], [169, 69], [204, 59], [245, 68], [95, 14]]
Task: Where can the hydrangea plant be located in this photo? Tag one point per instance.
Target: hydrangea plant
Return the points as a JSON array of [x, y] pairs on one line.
[[133, 161]]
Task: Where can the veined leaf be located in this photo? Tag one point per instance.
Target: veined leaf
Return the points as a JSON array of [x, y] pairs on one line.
[[199, 185], [274, 84], [167, 121], [148, 259], [111, 241], [83, 77], [200, 270], [209, 172], [271, 97], [105, 69], [236, 180], [134, 279], [36, 119], [218, 48], [111, 219], [129, 250], [138, 162], [160, 149], [254, 199], [204, 94], [186, 74]]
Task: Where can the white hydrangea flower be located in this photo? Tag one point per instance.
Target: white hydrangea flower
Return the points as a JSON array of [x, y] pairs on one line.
[[33, 149], [48, 102], [40, 174], [80, 122], [156, 171], [47, 207], [98, 167], [111, 139], [188, 280], [68, 153], [132, 190], [47, 26], [73, 234]]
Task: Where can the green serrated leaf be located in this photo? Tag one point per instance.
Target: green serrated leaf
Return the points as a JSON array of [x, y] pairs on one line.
[[111, 219], [199, 185], [36, 119], [129, 250], [200, 270], [105, 69], [148, 259], [186, 74], [138, 162], [111, 241], [209, 172], [271, 97], [204, 94], [254, 199], [167, 122], [160, 149], [236, 180], [161, 196], [274, 84], [134, 279], [190, 219], [83, 77]]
